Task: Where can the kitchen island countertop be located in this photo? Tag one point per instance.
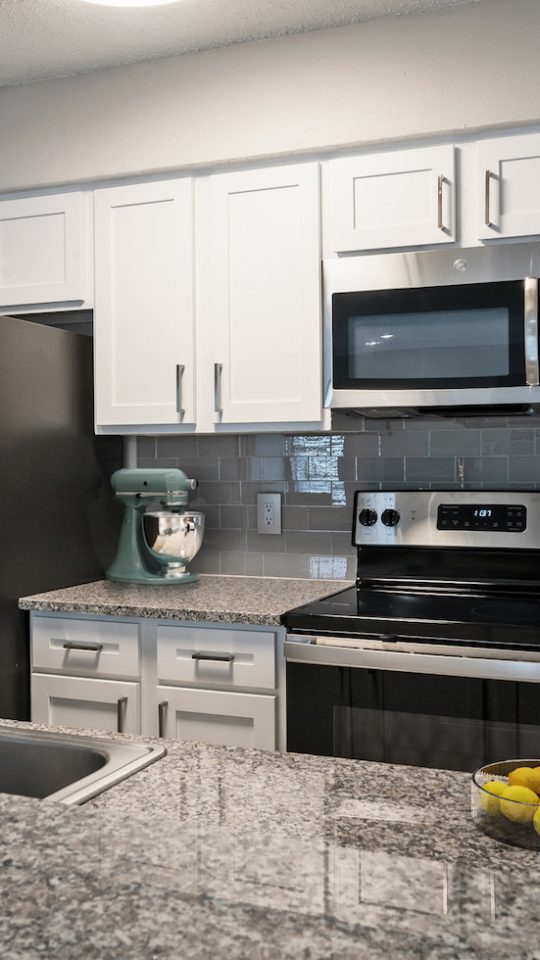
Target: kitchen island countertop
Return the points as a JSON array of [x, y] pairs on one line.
[[217, 852], [211, 599]]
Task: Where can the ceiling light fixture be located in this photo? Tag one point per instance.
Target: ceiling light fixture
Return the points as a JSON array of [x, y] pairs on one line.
[[129, 3]]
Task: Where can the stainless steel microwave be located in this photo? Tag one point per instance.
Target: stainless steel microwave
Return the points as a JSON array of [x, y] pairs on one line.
[[434, 332]]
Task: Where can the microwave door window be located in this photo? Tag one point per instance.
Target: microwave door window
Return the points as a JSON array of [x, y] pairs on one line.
[[442, 346], [438, 337]]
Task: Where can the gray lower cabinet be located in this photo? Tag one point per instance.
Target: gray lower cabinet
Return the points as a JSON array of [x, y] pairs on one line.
[[213, 683]]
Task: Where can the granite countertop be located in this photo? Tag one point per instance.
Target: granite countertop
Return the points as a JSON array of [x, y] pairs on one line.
[[256, 600], [217, 852]]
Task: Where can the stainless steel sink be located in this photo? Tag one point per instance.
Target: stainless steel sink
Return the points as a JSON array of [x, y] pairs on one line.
[[70, 769]]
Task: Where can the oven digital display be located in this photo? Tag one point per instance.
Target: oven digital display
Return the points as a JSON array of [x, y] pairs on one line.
[[498, 517]]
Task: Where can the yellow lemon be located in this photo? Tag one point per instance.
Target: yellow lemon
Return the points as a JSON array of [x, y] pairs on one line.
[[522, 777], [491, 804], [536, 821], [517, 804], [534, 780]]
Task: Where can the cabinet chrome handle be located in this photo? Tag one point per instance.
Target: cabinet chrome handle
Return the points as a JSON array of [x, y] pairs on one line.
[[180, 367], [487, 215], [120, 705], [76, 645], [161, 717], [218, 372], [440, 180], [222, 657]]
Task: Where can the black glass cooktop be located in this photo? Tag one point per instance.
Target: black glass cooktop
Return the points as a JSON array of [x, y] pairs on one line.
[[503, 620]]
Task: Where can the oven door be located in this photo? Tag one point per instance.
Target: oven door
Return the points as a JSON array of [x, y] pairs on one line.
[[427, 710]]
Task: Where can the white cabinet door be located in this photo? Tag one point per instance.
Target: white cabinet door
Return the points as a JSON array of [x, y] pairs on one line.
[[85, 704], [44, 250], [262, 276], [144, 305], [404, 198], [509, 187], [218, 717]]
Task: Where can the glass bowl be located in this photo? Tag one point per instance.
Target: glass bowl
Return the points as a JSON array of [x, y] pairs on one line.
[[507, 820]]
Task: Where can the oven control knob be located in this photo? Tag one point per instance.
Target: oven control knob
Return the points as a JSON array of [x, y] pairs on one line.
[[390, 518], [368, 517]]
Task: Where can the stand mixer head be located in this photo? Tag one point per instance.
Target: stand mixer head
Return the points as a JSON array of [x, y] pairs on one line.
[[155, 546]]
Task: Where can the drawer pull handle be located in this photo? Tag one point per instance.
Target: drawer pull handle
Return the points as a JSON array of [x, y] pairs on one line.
[[121, 703], [222, 657], [73, 645], [162, 707]]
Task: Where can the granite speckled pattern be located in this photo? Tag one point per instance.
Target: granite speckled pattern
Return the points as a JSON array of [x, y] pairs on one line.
[[221, 852], [216, 599]]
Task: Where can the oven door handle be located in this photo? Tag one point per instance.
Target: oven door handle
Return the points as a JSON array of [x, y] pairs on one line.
[[406, 656]]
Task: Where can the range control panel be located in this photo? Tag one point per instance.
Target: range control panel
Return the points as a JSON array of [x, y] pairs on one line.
[[505, 517], [453, 518]]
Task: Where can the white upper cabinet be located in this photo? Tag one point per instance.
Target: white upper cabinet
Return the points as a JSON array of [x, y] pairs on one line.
[[404, 198], [260, 279], [45, 251], [509, 182], [144, 304]]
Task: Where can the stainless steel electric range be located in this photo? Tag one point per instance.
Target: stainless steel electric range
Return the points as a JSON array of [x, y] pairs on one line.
[[433, 657]]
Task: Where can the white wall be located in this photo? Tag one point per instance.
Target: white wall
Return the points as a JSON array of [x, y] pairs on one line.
[[453, 71]]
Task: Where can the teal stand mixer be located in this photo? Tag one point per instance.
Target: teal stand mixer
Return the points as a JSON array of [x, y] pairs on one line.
[[155, 545]]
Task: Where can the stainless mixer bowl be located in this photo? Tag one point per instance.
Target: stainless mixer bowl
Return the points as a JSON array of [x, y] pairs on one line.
[[174, 538]]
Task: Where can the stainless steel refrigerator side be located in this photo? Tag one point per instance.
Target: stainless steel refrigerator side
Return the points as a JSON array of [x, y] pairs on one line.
[[59, 521]]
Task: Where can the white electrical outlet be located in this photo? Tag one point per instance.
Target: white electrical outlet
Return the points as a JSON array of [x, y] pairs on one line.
[[269, 513]]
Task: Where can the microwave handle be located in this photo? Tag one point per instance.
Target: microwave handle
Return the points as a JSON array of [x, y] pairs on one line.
[[530, 319]]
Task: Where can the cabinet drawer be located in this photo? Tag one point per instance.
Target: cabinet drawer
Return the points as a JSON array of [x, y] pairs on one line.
[[185, 655], [218, 717], [85, 647], [86, 704]]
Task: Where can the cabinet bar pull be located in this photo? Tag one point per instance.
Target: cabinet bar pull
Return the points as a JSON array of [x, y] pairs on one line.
[[487, 215], [222, 657], [79, 645], [161, 717], [180, 367], [440, 180], [120, 705], [218, 371]]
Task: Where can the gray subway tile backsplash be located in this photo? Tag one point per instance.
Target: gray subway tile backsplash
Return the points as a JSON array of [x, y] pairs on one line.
[[487, 469], [329, 518], [233, 517], [318, 474], [496, 442], [430, 468], [183, 447], [524, 469], [458, 443]]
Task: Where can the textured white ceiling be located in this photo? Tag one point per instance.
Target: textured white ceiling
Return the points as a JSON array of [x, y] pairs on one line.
[[51, 38]]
